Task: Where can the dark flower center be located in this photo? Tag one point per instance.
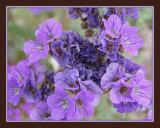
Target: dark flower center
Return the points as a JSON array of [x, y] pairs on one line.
[[79, 102], [77, 11], [127, 10], [67, 38], [59, 51], [121, 49], [119, 10], [77, 82], [70, 83], [94, 12], [30, 89], [131, 71], [43, 92], [89, 33], [124, 90], [110, 38], [115, 79], [110, 47], [50, 36], [33, 92], [46, 115], [113, 11]]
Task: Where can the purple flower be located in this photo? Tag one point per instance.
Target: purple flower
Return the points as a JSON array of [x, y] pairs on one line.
[[95, 39], [113, 76], [131, 12], [92, 87], [109, 12], [67, 79], [129, 39], [49, 74], [20, 72], [14, 91], [93, 18], [50, 30], [41, 112], [83, 72], [88, 52], [60, 54], [28, 106], [76, 12], [37, 72], [121, 93], [113, 26], [31, 92], [109, 47], [14, 114], [66, 38], [76, 36], [83, 105], [125, 107], [71, 41], [38, 10], [37, 49], [45, 90], [120, 60], [60, 104], [130, 68], [142, 89]]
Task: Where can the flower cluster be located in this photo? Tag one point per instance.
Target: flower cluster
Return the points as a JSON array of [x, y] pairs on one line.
[[89, 67]]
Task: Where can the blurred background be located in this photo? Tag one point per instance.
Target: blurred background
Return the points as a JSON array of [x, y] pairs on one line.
[[22, 23]]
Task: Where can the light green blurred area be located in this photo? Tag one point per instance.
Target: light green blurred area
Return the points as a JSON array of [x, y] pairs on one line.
[[21, 27]]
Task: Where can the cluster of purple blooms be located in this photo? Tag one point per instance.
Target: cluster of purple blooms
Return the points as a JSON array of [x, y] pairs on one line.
[[89, 68]]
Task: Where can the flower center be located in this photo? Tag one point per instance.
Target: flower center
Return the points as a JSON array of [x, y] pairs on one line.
[[50, 36], [110, 47], [65, 103], [79, 102], [124, 90], [115, 32], [94, 12], [70, 83], [41, 47], [16, 90], [30, 89], [46, 115], [127, 10], [113, 11], [77, 82], [130, 71], [119, 10], [77, 11], [115, 79], [110, 38], [59, 51]]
